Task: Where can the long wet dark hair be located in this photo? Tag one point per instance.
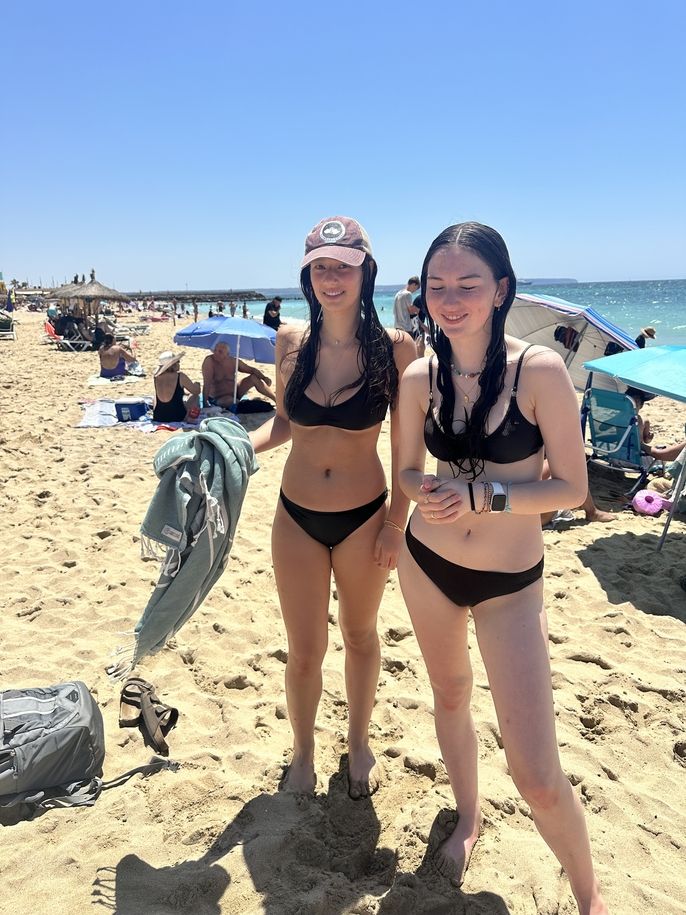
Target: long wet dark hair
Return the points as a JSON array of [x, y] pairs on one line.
[[489, 246], [375, 352]]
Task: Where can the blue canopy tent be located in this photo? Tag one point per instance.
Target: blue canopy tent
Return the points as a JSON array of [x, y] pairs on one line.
[[658, 370], [243, 336], [577, 332]]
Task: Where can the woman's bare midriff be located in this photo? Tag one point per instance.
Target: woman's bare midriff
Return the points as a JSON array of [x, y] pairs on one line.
[[331, 469], [492, 542]]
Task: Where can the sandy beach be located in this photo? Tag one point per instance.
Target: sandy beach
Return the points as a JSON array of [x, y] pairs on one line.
[[216, 836]]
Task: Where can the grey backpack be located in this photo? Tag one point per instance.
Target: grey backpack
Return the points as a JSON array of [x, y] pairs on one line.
[[52, 747]]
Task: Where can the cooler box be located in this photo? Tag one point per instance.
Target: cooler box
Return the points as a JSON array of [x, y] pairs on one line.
[[130, 409]]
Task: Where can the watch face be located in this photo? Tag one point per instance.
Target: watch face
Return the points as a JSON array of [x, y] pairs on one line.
[[498, 502]]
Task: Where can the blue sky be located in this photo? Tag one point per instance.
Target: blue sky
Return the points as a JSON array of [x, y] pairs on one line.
[[168, 144]]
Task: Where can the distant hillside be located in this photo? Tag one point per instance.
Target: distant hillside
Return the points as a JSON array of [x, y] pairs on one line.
[[545, 281]]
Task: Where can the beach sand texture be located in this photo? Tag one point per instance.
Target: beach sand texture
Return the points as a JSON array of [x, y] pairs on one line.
[[216, 837]]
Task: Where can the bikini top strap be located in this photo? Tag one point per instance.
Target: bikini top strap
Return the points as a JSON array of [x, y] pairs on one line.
[[431, 380], [519, 368]]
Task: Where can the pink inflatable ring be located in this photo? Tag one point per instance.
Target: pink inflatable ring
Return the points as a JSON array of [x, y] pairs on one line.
[[647, 502]]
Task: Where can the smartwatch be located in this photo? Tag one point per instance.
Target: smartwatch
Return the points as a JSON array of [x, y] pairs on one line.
[[498, 497]]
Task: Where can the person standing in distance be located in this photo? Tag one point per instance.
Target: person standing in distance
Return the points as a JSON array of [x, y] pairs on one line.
[[403, 307]]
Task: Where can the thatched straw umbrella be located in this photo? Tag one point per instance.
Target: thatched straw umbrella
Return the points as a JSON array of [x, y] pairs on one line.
[[89, 293]]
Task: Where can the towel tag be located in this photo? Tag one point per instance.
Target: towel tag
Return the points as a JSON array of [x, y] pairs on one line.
[[172, 533]]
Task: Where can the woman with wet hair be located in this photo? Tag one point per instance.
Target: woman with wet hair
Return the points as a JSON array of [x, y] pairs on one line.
[[335, 382], [485, 405]]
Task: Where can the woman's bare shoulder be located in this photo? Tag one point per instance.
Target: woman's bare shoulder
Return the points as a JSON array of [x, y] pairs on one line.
[[536, 356]]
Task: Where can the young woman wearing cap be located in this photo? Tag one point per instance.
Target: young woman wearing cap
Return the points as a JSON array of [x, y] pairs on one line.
[[170, 383], [334, 384], [485, 405]]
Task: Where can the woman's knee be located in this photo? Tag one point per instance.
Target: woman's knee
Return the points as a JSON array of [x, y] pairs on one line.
[[360, 639], [305, 660], [541, 790], [452, 692]]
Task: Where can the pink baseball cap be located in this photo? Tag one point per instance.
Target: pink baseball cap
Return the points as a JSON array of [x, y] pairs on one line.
[[340, 238]]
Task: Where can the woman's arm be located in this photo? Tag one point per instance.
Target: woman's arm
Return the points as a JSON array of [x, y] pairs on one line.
[[278, 429], [404, 354], [193, 387], [556, 411], [390, 537], [412, 407]]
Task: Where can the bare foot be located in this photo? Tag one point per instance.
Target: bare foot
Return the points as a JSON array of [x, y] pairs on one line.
[[597, 905], [452, 856], [363, 773], [299, 777], [602, 517]]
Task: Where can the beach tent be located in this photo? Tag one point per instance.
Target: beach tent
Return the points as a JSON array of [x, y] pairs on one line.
[[577, 332], [658, 370]]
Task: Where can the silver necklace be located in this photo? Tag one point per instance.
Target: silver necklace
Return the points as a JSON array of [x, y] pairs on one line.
[[460, 374]]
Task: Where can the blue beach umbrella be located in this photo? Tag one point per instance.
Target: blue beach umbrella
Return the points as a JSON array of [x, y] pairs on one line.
[[245, 338], [656, 369], [659, 370]]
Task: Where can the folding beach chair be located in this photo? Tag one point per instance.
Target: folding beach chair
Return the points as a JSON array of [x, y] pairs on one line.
[[78, 345], [8, 326], [612, 422]]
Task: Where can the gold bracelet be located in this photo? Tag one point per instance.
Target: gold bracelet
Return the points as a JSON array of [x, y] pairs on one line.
[[395, 526]]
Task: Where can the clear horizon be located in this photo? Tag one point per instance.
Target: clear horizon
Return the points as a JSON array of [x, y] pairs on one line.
[[170, 148]]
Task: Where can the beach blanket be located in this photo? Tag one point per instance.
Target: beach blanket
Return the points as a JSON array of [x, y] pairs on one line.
[[102, 413], [96, 380], [189, 526]]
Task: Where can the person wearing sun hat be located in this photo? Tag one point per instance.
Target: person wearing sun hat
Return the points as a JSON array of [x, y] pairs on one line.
[[170, 383], [334, 383], [645, 332]]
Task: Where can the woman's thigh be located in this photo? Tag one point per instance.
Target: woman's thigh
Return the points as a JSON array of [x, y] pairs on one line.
[[440, 627], [512, 632], [360, 582], [302, 569]]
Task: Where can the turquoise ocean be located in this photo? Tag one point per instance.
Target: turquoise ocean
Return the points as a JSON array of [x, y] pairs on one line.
[[631, 305]]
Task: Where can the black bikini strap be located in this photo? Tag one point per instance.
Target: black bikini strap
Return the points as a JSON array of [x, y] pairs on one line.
[[519, 368], [431, 380]]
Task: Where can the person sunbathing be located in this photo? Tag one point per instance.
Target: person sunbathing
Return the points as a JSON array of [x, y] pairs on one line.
[[170, 383], [113, 358], [219, 378]]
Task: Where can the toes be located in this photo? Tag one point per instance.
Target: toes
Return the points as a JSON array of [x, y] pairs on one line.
[[449, 868]]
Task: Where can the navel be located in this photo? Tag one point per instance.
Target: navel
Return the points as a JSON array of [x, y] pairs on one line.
[[327, 472]]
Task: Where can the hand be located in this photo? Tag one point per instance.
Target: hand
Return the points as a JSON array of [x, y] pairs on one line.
[[267, 380], [444, 501], [387, 547]]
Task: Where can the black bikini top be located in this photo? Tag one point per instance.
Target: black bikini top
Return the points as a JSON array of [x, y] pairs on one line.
[[514, 440], [355, 413]]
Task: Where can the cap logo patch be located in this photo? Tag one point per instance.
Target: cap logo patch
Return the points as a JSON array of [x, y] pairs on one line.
[[331, 232]]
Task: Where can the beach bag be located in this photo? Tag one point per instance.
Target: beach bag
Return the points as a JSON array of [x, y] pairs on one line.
[[52, 747]]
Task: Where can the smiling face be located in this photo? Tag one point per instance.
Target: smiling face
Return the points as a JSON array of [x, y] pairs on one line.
[[336, 285], [461, 292]]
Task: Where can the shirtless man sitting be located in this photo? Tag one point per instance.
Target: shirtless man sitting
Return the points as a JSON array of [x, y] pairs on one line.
[[219, 375]]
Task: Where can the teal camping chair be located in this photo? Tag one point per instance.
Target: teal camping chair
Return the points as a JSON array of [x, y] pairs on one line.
[[615, 440]]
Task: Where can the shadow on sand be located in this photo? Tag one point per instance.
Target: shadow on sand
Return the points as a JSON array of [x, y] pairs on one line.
[[629, 568], [304, 856]]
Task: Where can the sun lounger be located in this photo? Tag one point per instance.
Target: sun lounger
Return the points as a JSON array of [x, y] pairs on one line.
[[74, 345], [8, 326]]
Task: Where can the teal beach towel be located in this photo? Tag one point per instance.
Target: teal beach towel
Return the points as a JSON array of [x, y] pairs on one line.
[[189, 526]]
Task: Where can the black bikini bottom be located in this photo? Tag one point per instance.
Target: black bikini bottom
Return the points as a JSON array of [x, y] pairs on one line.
[[468, 587], [331, 528]]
